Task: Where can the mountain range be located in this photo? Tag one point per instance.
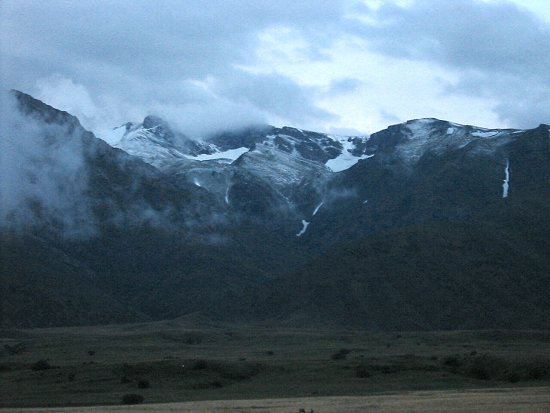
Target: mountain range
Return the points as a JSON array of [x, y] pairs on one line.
[[427, 224]]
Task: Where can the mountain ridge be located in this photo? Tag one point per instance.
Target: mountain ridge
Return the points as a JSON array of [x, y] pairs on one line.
[[272, 234]]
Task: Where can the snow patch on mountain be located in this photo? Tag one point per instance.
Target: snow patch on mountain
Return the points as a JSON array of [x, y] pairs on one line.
[[145, 144], [305, 224], [223, 156], [113, 136], [346, 159], [226, 197], [317, 208], [154, 142], [280, 168], [418, 139], [485, 133], [506, 183]]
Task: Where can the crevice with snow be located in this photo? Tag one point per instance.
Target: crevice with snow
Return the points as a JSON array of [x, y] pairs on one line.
[[506, 182], [317, 209], [305, 224]]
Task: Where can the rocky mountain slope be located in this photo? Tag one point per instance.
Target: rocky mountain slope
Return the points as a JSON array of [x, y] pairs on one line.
[[426, 224]]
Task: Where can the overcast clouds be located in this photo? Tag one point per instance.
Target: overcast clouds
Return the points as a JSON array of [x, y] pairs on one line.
[[332, 65]]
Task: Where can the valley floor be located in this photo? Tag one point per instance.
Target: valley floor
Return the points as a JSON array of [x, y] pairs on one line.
[[529, 399], [176, 366]]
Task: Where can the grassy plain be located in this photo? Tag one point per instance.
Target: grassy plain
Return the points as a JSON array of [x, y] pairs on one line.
[[174, 361], [517, 399]]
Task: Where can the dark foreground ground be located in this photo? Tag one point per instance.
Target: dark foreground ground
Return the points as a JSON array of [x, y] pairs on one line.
[[173, 362]]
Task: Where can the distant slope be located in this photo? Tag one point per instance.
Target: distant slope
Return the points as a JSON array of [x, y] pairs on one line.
[[425, 225], [154, 245], [445, 276], [41, 286]]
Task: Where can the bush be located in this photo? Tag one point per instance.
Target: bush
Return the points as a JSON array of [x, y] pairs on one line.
[[480, 372], [340, 354], [4, 367], [200, 386], [200, 365], [513, 377], [132, 399], [452, 361], [193, 340], [388, 369], [236, 372], [362, 372], [41, 365], [539, 372], [489, 367], [15, 349], [144, 384]]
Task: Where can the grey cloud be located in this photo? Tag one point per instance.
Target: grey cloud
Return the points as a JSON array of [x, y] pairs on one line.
[[274, 94], [499, 51], [346, 131], [143, 52], [524, 103], [521, 101], [390, 117], [343, 86], [469, 34], [134, 57], [525, 112], [42, 175], [198, 120], [46, 185]]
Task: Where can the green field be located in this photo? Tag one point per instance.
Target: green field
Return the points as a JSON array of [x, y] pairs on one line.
[[176, 362]]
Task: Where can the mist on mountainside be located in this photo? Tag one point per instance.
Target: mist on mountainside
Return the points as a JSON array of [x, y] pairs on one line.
[[43, 174]]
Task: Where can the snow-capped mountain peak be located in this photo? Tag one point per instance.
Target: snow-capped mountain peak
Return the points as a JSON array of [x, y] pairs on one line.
[[155, 142], [288, 169], [414, 138], [261, 213], [158, 144]]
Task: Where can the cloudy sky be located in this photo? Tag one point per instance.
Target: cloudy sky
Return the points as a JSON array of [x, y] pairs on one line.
[[342, 66]]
